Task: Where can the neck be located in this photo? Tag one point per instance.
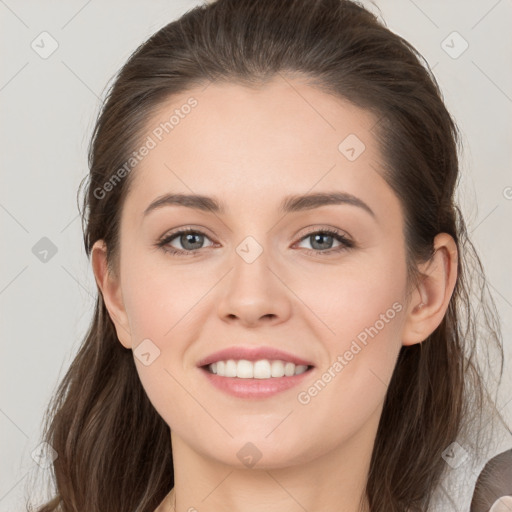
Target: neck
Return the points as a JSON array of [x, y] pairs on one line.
[[334, 481]]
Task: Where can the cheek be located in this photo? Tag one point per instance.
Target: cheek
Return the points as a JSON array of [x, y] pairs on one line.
[[160, 309], [362, 311], [160, 298], [351, 388], [163, 303], [358, 299]]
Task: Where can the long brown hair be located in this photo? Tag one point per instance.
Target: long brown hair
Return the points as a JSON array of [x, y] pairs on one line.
[[114, 451]]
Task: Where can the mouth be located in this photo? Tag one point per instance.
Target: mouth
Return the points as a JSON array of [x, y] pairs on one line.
[[254, 372], [255, 379]]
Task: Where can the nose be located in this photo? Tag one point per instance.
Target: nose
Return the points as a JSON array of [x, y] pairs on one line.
[[253, 293]]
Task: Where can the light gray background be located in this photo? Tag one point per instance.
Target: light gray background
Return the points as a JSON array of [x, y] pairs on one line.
[[48, 109]]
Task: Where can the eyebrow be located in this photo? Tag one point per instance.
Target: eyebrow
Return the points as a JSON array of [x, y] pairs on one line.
[[290, 204]]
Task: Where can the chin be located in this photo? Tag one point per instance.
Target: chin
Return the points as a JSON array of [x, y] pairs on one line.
[[255, 451]]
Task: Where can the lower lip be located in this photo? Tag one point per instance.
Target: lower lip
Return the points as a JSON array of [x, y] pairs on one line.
[[254, 388]]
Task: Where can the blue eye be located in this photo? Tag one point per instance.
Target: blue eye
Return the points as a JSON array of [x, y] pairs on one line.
[[192, 240]]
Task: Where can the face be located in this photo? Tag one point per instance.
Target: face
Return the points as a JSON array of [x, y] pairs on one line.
[[323, 282]]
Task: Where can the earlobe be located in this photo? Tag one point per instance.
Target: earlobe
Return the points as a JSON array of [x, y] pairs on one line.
[[110, 289], [430, 300]]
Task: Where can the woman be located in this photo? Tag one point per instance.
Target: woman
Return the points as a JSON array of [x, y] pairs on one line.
[[283, 319]]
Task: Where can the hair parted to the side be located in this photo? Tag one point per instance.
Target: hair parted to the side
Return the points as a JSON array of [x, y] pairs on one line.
[[114, 452]]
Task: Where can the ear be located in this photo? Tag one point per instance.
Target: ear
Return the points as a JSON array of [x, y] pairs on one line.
[[110, 288], [430, 299]]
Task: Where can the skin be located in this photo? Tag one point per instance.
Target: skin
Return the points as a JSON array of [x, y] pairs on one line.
[[251, 148]]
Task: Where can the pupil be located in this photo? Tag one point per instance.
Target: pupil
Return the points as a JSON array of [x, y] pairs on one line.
[[322, 236], [189, 238]]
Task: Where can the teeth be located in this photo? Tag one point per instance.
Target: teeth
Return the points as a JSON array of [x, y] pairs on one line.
[[230, 369], [262, 369]]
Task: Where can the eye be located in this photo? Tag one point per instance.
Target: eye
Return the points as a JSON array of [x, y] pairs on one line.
[[322, 239], [189, 239]]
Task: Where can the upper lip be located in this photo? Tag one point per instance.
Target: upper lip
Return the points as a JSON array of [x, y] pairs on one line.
[[252, 354]]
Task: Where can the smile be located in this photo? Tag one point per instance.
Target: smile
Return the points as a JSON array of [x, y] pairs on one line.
[[255, 380], [262, 369]]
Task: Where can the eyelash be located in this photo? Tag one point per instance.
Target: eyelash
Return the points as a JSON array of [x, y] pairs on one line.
[[345, 242]]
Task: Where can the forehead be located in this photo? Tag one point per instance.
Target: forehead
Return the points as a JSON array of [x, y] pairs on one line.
[[236, 141]]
